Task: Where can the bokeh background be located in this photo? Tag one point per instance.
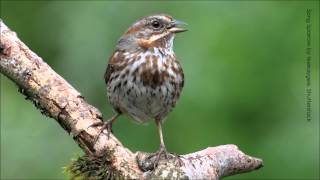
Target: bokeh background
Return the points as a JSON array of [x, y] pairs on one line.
[[244, 65]]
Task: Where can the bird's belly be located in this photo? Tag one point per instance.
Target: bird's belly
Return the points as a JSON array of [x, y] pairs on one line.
[[146, 88], [143, 103]]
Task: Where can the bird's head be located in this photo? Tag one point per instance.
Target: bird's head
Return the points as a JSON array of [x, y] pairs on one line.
[[152, 31]]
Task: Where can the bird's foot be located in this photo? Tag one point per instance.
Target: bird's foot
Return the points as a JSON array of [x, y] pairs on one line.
[[163, 154], [104, 125], [178, 158]]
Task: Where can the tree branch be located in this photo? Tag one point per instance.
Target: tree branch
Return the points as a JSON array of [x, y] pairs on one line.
[[55, 98]]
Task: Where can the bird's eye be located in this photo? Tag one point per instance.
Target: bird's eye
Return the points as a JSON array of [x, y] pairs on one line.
[[156, 24]]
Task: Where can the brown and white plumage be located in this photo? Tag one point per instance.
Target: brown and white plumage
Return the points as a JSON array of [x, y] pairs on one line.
[[144, 85], [144, 78]]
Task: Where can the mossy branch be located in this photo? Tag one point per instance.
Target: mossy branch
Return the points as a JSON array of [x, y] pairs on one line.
[[107, 157]]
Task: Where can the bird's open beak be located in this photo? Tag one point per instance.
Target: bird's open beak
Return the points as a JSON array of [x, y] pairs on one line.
[[176, 26]]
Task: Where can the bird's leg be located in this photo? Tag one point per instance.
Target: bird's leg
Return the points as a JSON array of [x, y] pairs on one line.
[[163, 149], [105, 125], [162, 145], [162, 152]]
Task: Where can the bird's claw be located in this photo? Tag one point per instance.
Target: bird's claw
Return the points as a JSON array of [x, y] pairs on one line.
[[163, 154], [104, 125], [179, 159]]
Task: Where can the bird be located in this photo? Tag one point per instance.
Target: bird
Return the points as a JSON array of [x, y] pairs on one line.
[[144, 78]]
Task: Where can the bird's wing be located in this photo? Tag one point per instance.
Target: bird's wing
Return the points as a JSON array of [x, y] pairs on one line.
[[110, 67]]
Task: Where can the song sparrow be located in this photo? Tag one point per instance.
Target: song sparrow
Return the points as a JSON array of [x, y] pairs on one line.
[[144, 78]]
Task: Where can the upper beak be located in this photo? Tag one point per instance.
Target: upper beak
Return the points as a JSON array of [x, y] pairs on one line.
[[176, 26]]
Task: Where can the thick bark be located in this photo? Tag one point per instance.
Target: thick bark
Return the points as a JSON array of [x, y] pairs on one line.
[[55, 98]]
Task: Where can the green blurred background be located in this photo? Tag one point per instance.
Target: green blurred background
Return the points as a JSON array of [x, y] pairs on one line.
[[244, 65]]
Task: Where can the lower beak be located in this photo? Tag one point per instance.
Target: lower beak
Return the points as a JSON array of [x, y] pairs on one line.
[[176, 26]]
